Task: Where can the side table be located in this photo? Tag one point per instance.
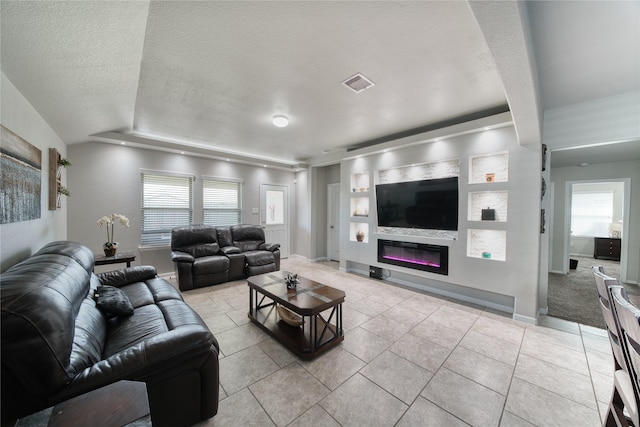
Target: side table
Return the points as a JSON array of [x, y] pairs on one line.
[[120, 257], [117, 404]]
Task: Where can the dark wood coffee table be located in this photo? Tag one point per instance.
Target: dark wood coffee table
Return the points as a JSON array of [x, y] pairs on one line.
[[308, 300]]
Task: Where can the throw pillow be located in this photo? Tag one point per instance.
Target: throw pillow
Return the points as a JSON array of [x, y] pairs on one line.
[[114, 301]]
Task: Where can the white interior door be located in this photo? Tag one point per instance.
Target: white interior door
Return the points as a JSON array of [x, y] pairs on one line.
[[274, 215], [333, 222]]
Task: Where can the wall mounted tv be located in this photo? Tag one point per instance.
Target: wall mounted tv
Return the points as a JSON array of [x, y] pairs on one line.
[[430, 204]]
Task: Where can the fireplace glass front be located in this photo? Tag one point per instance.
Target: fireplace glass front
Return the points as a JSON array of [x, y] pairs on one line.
[[419, 256]]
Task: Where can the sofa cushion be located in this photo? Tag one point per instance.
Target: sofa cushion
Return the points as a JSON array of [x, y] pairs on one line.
[[247, 237], [192, 235], [41, 298], [201, 249], [113, 301], [210, 265], [224, 236], [255, 258]]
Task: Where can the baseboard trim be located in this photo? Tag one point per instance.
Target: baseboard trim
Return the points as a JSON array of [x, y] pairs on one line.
[[447, 294], [525, 319], [557, 272]]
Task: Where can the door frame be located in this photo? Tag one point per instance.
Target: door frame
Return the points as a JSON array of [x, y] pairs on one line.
[[331, 189], [287, 208], [626, 209]]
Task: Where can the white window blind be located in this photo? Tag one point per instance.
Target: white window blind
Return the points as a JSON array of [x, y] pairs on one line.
[[221, 200], [591, 213], [167, 202]]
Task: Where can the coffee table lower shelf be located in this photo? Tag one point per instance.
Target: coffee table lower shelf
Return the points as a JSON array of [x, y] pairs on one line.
[[299, 339]]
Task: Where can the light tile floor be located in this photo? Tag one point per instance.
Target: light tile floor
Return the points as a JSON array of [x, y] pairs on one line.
[[408, 359]]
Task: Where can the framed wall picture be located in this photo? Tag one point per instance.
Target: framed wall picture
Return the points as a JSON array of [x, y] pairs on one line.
[[21, 175]]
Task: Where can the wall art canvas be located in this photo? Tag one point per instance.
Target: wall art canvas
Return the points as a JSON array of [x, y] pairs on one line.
[[21, 174]]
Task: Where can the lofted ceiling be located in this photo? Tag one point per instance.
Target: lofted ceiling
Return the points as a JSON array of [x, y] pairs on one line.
[[210, 75]]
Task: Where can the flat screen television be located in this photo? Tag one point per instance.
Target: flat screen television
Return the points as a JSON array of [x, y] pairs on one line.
[[430, 204]]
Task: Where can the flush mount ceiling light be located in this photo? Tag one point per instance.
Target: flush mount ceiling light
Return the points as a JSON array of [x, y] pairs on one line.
[[280, 121]]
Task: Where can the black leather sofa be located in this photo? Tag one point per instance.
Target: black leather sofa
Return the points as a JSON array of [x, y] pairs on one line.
[[204, 255], [57, 343]]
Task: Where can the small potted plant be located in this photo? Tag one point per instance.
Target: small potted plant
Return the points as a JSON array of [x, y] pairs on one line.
[[110, 246], [62, 191], [62, 163]]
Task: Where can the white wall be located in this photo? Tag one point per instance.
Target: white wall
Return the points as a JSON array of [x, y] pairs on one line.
[[105, 178], [515, 279], [302, 230], [21, 239], [604, 172], [614, 118]]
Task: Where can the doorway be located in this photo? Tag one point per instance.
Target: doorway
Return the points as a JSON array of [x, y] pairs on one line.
[[274, 215], [596, 209], [333, 222]]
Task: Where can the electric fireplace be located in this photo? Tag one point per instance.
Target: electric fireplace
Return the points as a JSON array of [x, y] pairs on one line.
[[419, 256]]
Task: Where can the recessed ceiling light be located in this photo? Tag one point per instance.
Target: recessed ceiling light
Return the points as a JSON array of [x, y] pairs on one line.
[[122, 143], [583, 164], [280, 121]]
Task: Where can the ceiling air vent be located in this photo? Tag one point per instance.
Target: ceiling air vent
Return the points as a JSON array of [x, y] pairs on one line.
[[358, 83]]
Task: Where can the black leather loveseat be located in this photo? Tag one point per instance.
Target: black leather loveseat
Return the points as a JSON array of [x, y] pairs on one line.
[[204, 255], [57, 343]]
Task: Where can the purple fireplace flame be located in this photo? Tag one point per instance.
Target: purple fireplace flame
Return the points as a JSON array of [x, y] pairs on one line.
[[412, 261], [432, 258]]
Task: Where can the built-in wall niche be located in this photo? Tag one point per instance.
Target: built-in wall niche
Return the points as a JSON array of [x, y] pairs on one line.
[[359, 232], [489, 168], [487, 244], [487, 201], [442, 169], [360, 182], [360, 206]]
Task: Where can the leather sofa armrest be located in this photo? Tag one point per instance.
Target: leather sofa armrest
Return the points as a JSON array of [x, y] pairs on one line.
[[127, 275], [178, 256], [146, 358], [269, 246], [228, 250]]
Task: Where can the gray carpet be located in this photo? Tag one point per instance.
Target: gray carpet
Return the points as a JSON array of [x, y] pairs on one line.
[[574, 296]]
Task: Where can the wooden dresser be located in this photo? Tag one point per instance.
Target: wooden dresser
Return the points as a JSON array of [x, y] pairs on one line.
[[606, 247]]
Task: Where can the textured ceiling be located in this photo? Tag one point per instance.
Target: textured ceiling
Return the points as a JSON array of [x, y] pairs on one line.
[[211, 74], [241, 63]]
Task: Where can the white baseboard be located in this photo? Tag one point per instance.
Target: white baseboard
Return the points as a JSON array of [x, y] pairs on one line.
[[557, 272], [525, 319], [444, 293]]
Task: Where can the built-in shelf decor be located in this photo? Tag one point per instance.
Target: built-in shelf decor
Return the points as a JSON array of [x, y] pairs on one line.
[[480, 200], [360, 182], [489, 168], [360, 206], [443, 169], [359, 232], [487, 244]]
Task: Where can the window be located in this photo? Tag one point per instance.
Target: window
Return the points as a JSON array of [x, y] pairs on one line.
[[221, 201], [167, 202], [591, 213]]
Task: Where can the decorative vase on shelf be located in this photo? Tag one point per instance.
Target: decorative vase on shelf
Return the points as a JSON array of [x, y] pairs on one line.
[[360, 235]]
